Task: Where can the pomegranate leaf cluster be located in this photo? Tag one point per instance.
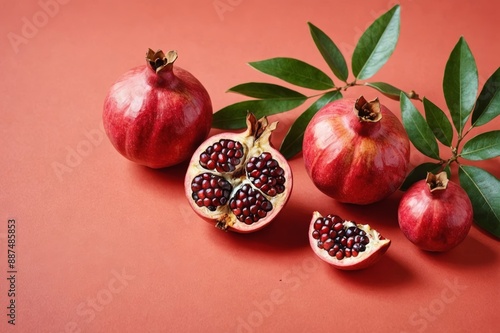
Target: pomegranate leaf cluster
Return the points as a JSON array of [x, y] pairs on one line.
[[460, 88], [372, 51]]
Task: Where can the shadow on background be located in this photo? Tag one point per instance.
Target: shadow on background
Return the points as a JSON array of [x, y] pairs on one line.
[[287, 231], [386, 273], [471, 253]]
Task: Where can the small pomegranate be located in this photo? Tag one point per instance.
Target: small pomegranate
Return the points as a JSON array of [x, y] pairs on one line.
[[238, 180], [435, 214], [157, 114], [345, 244], [356, 151]]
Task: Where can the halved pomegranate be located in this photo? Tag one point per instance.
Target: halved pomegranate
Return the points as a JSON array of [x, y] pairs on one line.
[[238, 180], [345, 244]]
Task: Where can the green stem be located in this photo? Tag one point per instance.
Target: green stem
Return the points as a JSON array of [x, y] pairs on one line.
[[412, 94]]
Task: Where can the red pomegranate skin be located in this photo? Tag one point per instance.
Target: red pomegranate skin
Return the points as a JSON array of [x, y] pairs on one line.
[[157, 120], [435, 221], [354, 161]]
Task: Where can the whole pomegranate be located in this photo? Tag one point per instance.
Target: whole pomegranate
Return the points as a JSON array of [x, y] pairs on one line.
[[157, 114], [238, 180], [345, 244], [356, 151], [435, 214]]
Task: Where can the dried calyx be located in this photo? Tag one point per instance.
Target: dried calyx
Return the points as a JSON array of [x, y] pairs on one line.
[[368, 111], [158, 61], [437, 182]]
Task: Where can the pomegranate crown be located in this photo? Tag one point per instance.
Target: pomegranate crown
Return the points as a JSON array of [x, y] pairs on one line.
[[368, 111], [158, 61], [437, 182]]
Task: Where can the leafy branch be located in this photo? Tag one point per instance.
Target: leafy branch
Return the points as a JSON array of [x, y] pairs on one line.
[[460, 87], [372, 51]]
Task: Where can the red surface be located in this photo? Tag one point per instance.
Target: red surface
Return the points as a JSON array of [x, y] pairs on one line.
[[104, 245]]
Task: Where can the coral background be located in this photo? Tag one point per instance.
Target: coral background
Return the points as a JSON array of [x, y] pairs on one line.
[[104, 245]]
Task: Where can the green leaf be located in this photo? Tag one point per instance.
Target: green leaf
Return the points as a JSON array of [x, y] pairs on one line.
[[482, 188], [376, 44], [330, 52], [460, 84], [438, 122], [419, 132], [234, 116], [295, 72], [386, 89], [482, 147], [292, 143], [488, 103], [264, 90], [420, 173]]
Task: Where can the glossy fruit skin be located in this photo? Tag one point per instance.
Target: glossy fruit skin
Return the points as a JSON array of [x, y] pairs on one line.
[[435, 221], [354, 161], [157, 119]]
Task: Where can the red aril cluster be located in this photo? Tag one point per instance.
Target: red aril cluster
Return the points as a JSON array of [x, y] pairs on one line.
[[222, 156], [266, 174], [210, 191]]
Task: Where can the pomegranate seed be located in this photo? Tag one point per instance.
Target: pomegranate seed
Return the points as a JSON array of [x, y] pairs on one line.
[[324, 230], [222, 156], [210, 191], [324, 237], [266, 174], [328, 244], [339, 255], [318, 224], [350, 242], [315, 234], [350, 231], [267, 206]]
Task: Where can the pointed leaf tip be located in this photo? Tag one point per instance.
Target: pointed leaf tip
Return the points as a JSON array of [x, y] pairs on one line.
[[376, 44]]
